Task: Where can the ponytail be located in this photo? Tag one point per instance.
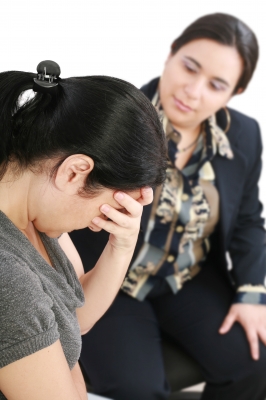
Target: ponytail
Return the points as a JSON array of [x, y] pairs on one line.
[[12, 85]]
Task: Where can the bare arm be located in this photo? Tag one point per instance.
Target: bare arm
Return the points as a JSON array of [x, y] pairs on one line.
[[79, 381], [71, 253], [42, 375], [101, 284]]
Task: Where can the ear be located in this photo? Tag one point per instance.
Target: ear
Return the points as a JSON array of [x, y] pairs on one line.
[[239, 91], [73, 172]]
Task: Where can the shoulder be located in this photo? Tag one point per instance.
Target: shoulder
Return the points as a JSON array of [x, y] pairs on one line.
[[14, 271], [150, 88], [244, 132], [21, 288], [27, 322], [247, 124], [240, 123]]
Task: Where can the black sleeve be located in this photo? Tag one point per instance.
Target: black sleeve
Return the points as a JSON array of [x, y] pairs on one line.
[[247, 246]]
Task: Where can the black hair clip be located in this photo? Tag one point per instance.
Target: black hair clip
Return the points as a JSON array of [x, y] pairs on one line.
[[47, 77]]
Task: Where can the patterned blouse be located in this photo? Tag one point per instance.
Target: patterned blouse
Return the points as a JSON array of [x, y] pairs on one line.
[[184, 214]]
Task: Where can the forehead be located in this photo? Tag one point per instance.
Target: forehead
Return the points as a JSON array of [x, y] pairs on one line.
[[216, 59]]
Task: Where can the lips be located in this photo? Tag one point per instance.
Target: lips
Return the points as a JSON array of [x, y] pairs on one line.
[[181, 106]]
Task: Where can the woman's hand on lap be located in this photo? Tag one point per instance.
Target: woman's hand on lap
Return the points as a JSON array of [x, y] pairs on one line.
[[252, 317]]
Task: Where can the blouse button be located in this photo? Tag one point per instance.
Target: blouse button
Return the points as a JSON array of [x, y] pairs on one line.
[[170, 258], [179, 228], [184, 197]]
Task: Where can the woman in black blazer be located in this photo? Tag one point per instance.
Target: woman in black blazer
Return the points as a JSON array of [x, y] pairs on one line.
[[198, 275]]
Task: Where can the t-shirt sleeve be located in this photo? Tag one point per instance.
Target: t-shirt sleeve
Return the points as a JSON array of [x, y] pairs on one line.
[[27, 322]]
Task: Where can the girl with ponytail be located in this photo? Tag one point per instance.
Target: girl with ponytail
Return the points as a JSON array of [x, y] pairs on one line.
[[77, 152]]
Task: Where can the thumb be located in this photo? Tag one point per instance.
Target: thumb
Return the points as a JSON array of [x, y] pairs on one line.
[[227, 323]]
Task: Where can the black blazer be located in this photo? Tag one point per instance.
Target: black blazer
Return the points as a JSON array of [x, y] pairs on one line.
[[240, 229]]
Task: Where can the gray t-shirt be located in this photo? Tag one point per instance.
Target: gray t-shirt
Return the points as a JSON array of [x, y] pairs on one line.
[[37, 302]]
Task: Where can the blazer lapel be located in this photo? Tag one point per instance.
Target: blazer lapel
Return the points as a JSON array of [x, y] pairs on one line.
[[230, 178]]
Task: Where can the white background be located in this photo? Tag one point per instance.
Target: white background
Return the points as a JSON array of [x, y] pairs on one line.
[[129, 39]]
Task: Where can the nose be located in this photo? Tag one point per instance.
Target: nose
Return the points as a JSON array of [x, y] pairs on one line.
[[194, 88]]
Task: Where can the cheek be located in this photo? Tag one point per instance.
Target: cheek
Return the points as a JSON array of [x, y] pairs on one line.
[[214, 101], [172, 85], [171, 80], [93, 212]]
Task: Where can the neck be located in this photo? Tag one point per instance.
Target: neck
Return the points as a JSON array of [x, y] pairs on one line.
[[188, 134], [14, 198], [17, 196], [188, 130]]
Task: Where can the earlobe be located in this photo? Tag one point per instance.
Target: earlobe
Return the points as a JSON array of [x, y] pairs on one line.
[[73, 172], [239, 91]]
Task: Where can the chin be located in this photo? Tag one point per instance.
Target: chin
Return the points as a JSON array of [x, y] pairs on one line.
[[54, 235]]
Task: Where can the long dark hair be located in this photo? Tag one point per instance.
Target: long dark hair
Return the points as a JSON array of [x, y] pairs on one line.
[[227, 30], [104, 118]]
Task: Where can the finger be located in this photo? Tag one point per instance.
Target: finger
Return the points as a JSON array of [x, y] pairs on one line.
[[133, 207], [94, 227], [262, 334], [228, 323], [108, 226], [146, 196], [100, 224], [119, 217], [253, 340]]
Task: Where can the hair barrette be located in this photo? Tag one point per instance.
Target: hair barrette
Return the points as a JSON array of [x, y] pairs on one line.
[[47, 77]]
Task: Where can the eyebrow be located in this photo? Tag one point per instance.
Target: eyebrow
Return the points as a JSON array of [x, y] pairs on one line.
[[199, 66]]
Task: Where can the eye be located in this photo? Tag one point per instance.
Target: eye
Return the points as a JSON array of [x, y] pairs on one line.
[[217, 86], [190, 67]]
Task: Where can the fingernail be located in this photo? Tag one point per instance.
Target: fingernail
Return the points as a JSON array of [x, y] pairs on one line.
[[119, 196], [96, 220], [105, 208], [147, 189]]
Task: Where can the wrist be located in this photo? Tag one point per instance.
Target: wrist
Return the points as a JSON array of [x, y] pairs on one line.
[[119, 250], [250, 294], [123, 247]]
